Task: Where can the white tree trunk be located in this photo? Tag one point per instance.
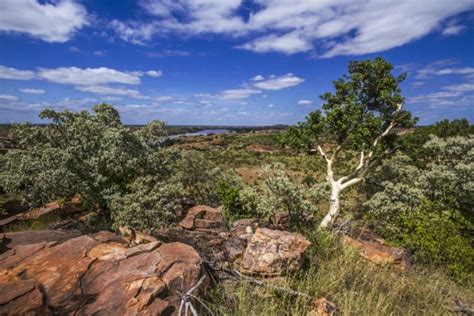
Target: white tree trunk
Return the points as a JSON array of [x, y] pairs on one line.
[[334, 205]]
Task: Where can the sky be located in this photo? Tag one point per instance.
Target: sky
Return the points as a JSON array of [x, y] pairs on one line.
[[228, 62]]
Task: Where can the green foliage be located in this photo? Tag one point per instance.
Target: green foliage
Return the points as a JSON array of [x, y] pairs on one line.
[[198, 177], [229, 196], [365, 102], [428, 209], [412, 143], [90, 154], [147, 204], [437, 236], [277, 193]]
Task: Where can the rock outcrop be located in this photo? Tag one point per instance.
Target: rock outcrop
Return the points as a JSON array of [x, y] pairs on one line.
[[202, 217], [273, 252], [377, 252], [72, 206], [96, 274]]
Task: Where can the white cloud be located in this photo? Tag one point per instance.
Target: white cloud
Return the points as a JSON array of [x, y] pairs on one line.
[[305, 102], [453, 30], [133, 32], [4, 97], [111, 98], [168, 53], [463, 87], [288, 44], [455, 71], [237, 94], [343, 27], [435, 97], [15, 74], [257, 78], [50, 22], [281, 82], [111, 90], [154, 73], [87, 76], [32, 91], [271, 106]]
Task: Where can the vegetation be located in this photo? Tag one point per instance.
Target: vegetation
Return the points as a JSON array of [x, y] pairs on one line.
[[416, 190], [358, 116]]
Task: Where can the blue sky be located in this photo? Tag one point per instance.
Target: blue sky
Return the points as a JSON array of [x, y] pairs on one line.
[[227, 62]]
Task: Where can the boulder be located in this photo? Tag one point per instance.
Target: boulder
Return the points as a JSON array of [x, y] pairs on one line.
[[379, 253], [244, 228], [96, 274], [202, 217], [273, 252]]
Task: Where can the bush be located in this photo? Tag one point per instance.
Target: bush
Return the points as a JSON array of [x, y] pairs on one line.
[[435, 236], [90, 154]]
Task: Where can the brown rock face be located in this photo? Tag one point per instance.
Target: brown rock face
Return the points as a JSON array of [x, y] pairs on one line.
[[378, 253], [96, 274], [273, 252], [202, 217]]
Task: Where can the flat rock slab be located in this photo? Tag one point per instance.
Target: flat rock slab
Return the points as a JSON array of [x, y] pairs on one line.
[[379, 253], [202, 217], [11, 240], [96, 274], [273, 252]]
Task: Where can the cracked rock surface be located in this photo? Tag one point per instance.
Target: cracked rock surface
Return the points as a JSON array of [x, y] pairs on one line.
[[96, 274]]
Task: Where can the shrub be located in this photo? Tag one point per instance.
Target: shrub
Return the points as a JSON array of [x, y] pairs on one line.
[[90, 154], [436, 236]]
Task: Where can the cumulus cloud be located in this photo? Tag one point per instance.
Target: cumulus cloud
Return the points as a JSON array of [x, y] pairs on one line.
[[237, 94], [288, 44], [257, 78], [50, 22], [154, 73], [32, 91], [345, 27], [281, 82], [305, 102], [87, 76], [15, 74]]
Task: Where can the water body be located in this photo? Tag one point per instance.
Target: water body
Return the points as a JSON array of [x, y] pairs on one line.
[[204, 132]]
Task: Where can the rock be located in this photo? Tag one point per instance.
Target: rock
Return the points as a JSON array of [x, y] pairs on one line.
[[135, 237], [323, 308], [281, 219], [379, 253], [273, 252], [96, 274], [11, 240], [53, 207], [244, 228], [202, 217]]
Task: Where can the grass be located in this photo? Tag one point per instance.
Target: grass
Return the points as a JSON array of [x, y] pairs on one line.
[[354, 285]]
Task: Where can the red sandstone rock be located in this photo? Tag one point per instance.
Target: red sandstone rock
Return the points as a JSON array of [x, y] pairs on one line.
[[378, 253], [202, 217], [96, 274]]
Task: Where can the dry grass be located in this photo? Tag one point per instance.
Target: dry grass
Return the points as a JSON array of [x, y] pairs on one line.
[[357, 287]]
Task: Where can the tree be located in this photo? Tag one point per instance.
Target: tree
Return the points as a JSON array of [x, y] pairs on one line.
[[359, 117], [92, 154]]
